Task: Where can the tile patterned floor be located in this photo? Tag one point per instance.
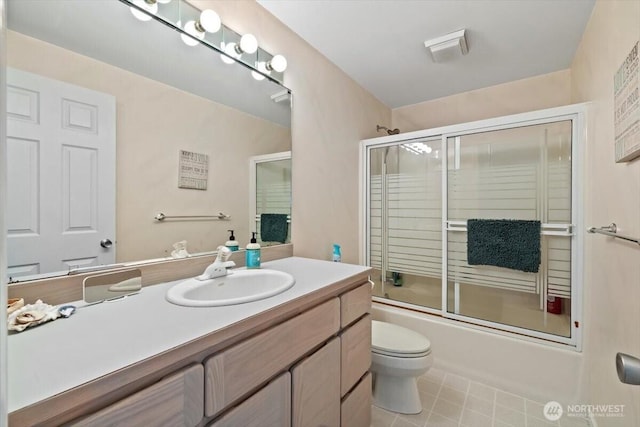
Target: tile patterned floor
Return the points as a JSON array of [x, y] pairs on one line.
[[450, 400]]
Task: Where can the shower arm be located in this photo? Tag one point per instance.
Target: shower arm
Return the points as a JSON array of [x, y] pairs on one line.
[[389, 131]]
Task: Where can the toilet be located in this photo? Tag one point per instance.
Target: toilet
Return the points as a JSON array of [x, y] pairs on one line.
[[398, 357]]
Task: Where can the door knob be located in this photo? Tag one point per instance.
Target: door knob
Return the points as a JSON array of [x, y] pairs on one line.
[[106, 243], [628, 368]]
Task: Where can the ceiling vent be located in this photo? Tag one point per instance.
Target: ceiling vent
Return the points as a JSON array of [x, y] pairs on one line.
[[448, 47]]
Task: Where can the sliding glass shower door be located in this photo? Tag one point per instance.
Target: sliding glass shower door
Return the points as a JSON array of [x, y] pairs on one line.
[[518, 176], [406, 219], [430, 200]]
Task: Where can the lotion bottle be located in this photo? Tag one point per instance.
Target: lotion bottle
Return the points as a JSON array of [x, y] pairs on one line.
[[232, 243], [253, 253]]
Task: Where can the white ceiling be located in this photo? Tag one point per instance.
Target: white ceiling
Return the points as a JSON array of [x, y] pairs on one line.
[[380, 43]]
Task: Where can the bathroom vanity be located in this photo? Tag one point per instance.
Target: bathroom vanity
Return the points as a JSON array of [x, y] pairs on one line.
[[298, 358]]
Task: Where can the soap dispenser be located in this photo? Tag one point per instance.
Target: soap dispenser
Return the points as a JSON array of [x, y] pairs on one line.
[[253, 253], [232, 243]]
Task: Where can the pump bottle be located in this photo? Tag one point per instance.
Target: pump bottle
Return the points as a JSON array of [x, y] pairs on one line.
[[253, 253], [232, 243]]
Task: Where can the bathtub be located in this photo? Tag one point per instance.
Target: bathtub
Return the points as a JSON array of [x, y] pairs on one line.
[[534, 370]]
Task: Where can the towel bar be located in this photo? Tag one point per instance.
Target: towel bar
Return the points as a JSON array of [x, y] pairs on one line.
[[162, 217], [612, 230], [288, 219], [546, 229]]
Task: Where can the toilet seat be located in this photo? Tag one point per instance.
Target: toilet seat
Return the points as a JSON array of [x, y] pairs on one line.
[[397, 341]]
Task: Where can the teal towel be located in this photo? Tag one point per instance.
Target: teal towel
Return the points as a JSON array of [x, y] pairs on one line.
[[273, 228], [506, 243]]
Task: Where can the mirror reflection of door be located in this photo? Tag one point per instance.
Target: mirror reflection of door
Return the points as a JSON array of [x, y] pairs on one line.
[[60, 176], [270, 181]]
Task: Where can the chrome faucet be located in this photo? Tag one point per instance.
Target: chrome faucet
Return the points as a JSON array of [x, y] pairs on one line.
[[219, 266]]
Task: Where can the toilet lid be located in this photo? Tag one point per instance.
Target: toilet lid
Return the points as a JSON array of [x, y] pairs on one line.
[[390, 339]]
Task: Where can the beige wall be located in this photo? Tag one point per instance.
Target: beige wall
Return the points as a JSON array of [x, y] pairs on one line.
[[520, 96], [154, 121], [331, 113], [612, 276]]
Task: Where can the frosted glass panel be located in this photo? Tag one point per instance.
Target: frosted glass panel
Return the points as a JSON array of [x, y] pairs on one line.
[[516, 174], [405, 217], [521, 173]]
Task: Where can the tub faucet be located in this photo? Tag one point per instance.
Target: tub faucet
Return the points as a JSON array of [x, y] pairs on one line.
[[219, 266]]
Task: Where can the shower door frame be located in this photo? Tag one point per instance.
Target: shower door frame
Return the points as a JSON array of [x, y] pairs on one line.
[[577, 114]]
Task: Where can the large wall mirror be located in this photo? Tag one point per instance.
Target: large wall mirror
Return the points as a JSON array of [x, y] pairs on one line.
[[113, 120]]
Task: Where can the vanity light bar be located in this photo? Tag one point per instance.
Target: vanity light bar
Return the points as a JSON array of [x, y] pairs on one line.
[[232, 47]]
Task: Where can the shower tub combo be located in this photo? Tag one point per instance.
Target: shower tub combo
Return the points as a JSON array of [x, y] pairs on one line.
[[498, 304]]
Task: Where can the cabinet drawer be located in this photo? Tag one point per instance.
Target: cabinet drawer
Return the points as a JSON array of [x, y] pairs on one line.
[[354, 304], [270, 406], [355, 353], [356, 406], [316, 388], [237, 371], [174, 401]]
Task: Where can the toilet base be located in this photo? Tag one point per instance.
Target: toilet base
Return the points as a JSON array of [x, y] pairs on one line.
[[396, 394]]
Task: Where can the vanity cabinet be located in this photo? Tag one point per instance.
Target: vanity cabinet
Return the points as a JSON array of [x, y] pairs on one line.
[[174, 401], [331, 386], [302, 363], [236, 371], [319, 380]]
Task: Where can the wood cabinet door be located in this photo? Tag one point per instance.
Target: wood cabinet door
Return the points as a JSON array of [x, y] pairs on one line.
[[356, 406], [271, 406], [356, 353], [316, 388], [354, 304], [177, 400]]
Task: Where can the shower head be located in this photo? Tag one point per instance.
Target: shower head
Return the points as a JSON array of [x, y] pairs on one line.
[[389, 131]]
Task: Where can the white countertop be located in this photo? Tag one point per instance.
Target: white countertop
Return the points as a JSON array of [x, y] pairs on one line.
[[102, 338]]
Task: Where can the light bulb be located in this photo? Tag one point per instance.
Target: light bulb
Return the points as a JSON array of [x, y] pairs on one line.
[[210, 21], [190, 28], [248, 43], [278, 63], [149, 7], [230, 49], [262, 67]]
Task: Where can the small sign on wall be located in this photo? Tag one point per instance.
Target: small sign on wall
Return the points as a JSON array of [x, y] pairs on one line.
[[626, 83], [193, 170]]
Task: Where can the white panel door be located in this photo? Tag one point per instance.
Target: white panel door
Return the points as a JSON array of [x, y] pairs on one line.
[[60, 175]]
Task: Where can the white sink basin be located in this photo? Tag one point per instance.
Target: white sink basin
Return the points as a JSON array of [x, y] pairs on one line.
[[238, 287]]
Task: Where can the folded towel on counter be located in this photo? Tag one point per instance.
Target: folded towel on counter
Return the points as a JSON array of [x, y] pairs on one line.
[[508, 243], [274, 228]]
